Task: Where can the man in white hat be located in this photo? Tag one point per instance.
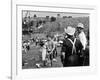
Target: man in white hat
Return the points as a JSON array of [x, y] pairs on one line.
[[83, 39], [81, 35], [71, 48]]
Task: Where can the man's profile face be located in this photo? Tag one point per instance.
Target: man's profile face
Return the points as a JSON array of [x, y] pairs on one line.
[[79, 29]]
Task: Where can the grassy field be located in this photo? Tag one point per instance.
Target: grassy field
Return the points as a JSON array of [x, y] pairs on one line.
[[34, 56]]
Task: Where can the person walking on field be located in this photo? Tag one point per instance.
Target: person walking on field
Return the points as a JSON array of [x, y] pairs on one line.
[[71, 48], [50, 49], [44, 53], [55, 49]]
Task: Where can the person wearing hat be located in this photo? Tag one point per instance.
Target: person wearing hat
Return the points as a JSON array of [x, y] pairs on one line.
[[83, 40], [71, 48], [81, 35]]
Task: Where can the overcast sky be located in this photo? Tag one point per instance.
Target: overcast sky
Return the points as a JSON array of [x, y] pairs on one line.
[[43, 14]]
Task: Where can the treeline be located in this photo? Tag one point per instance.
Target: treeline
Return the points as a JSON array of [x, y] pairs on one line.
[[59, 25], [52, 25]]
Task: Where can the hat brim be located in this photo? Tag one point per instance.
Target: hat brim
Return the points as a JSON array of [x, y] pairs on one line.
[[70, 32]]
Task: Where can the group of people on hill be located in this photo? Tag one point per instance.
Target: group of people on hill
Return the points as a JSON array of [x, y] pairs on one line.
[[73, 47]]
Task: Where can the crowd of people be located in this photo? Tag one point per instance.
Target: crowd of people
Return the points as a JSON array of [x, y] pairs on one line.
[[74, 43], [74, 47]]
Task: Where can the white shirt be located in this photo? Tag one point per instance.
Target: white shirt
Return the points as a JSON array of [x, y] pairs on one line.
[[83, 39]]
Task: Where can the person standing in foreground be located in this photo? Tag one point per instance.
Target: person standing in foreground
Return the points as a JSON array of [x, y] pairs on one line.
[[83, 40], [71, 48], [81, 35]]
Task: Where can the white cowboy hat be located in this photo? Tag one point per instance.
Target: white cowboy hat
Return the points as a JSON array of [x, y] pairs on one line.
[[80, 25], [61, 42], [69, 30]]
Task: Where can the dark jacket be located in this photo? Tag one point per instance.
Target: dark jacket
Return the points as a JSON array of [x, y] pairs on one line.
[[67, 48]]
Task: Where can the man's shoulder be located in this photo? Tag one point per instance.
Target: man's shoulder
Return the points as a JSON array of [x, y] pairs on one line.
[[65, 41]]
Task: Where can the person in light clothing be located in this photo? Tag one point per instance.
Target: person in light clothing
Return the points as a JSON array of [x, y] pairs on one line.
[[44, 53], [81, 35], [83, 40]]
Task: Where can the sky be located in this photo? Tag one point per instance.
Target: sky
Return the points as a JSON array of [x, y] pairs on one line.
[[43, 14]]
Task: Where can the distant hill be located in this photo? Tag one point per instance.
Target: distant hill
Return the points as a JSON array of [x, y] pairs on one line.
[[59, 25]]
